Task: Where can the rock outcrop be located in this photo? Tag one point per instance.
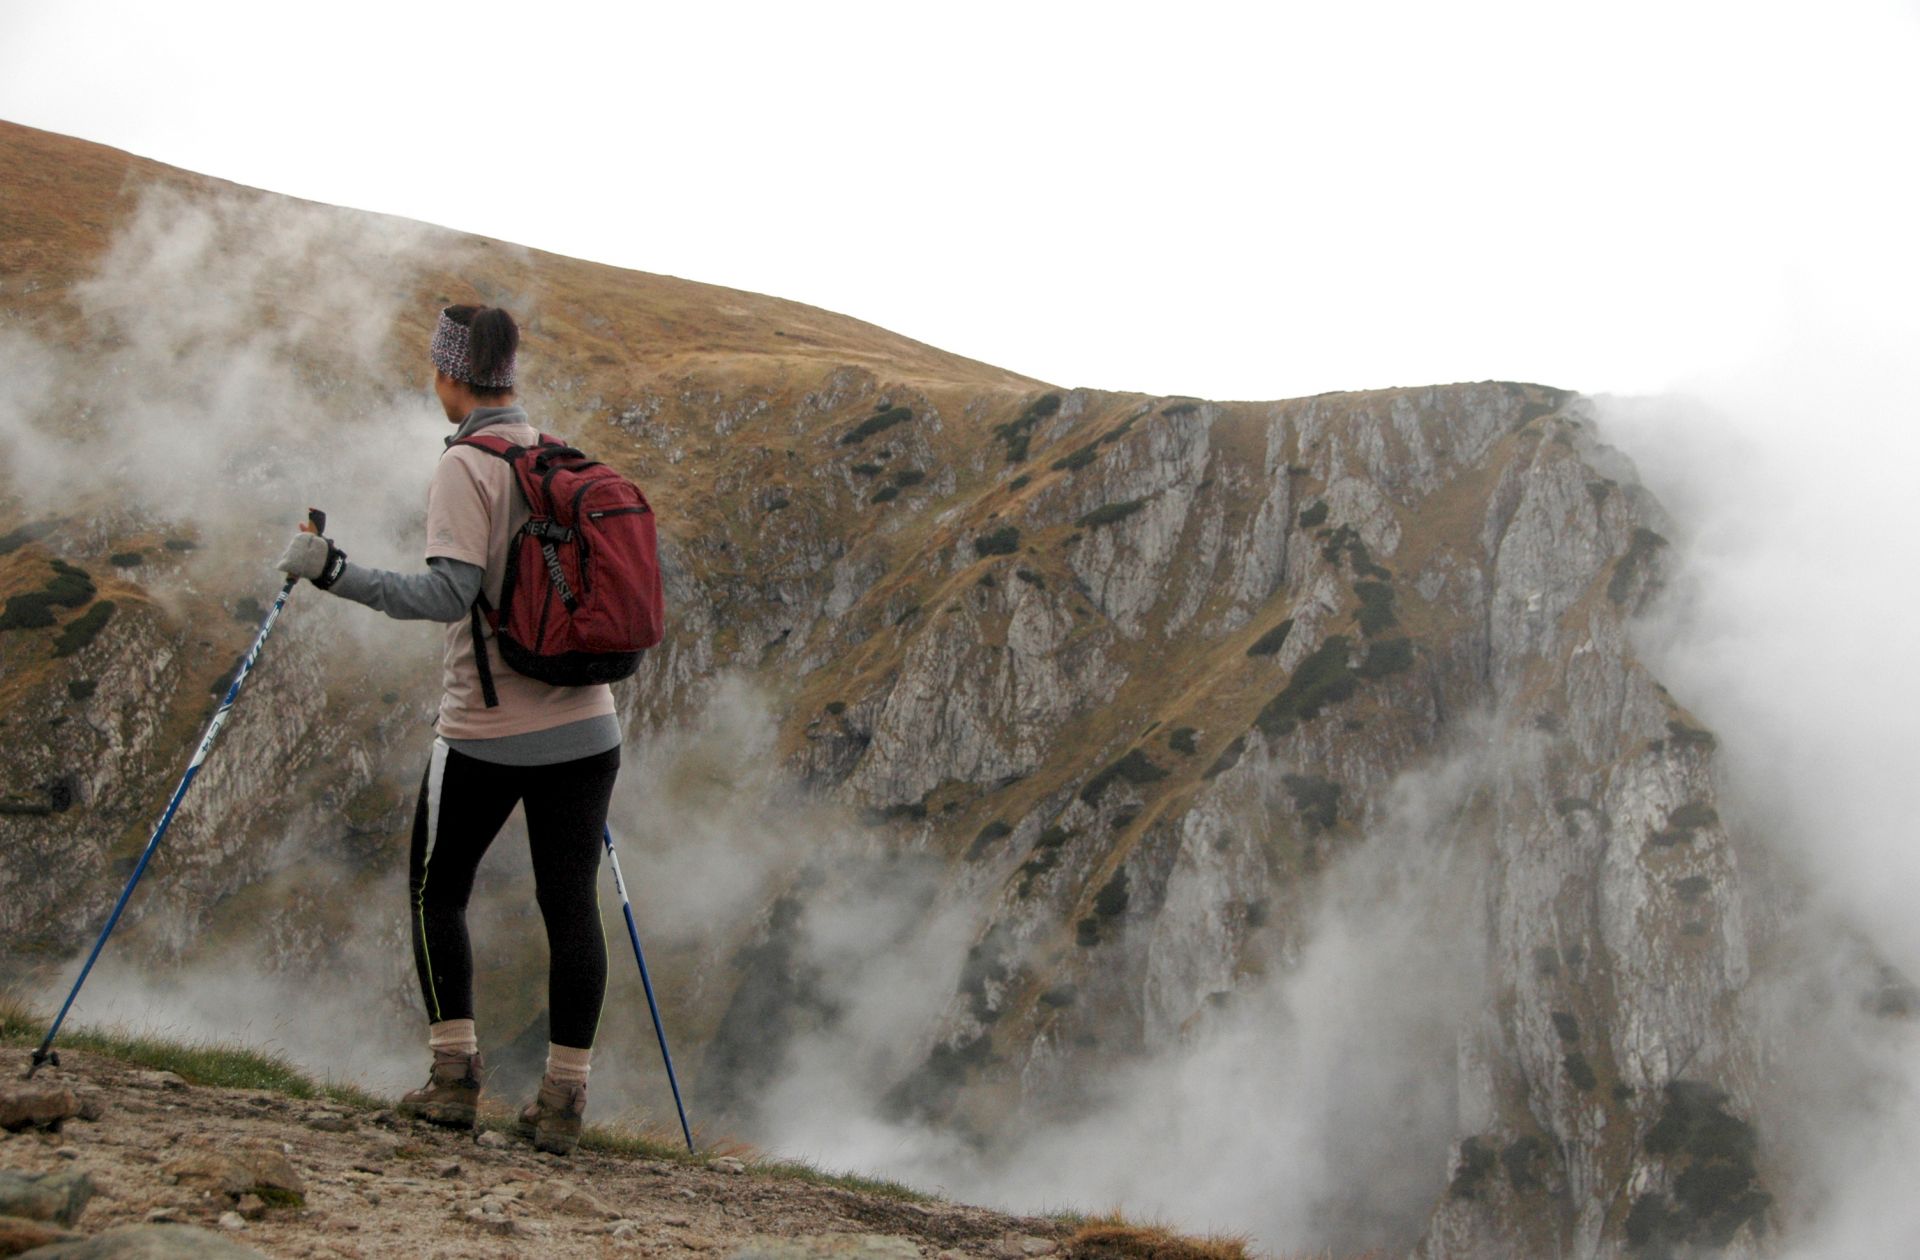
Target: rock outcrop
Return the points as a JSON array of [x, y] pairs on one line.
[[1131, 675]]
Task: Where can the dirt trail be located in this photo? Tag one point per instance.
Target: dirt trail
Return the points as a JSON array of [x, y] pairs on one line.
[[376, 1186]]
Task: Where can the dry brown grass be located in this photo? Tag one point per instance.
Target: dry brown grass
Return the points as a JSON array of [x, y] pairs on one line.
[[1113, 1237]]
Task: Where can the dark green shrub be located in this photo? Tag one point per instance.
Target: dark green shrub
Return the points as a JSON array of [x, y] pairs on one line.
[[1315, 514], [1685, 736], [866, 470], [908, 477], [180, 544], [13, 540], [1693, 814], [906, 615], [1077, 460], [1018, 432], [1526, 1160], [885, 494], [779, 502], [1108, 513], [1639, 553], [1059, 996], [1045, 856], [1273, 640], [1717, 1190], [1229, 758], [1346, 539], [69, 587], [1567, 1025], [1180, 409], [1019, 481], [1316, 799], [1322, 679], [877, 423], [1683, 822], [836, 707], [995, 830], [1580, 1072], [1111, 901], [1181, 741], [1376, 607], [1693, 887], [1125, 427], [1086, 933], [28, 611], [1003, 541], [82, 688], [126, 559], [1030, 578], [1391, 656], [81, 630], [1136, 768], [1476, 1165]]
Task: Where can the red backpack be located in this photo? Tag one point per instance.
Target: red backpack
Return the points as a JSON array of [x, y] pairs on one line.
[[581, 599]]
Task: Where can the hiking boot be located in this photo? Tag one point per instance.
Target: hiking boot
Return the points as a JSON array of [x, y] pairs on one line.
[[553, 1118], [451, 1095]]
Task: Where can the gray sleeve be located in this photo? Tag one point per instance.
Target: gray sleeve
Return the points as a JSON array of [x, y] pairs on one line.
[[443, 593]]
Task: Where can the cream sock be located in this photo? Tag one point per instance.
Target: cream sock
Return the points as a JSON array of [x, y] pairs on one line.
[[567, 1065], [453, 1036]]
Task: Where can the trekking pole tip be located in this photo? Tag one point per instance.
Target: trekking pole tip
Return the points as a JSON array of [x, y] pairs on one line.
[[41, 1057]]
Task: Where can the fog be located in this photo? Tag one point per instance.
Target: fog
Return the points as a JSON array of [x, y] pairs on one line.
[[1786, 630], [206, 407]]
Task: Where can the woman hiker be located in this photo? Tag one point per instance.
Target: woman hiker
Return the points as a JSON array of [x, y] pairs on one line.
[[554, 750]]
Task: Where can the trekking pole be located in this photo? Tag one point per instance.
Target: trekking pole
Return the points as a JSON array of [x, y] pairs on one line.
[[46, 1054], [646, 981]]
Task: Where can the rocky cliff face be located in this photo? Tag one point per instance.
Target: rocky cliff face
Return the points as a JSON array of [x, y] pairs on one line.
[[1125, 681]]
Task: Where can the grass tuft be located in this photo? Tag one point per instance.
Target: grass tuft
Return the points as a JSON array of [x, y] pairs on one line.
[[196, 1062]]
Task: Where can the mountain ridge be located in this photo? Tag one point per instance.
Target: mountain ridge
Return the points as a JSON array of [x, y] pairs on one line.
[[1084, 722]]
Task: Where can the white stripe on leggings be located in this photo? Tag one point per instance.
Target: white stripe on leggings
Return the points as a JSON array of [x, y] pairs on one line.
[[436, 775]]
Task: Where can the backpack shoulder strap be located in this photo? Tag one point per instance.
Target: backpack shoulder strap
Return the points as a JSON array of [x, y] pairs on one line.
[[493, 445]]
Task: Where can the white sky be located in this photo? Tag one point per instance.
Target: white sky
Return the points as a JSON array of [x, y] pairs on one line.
[[1252, 201]]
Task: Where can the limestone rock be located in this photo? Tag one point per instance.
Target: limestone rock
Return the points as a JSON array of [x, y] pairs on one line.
[[56, 1197], [828, 1247], [150, 1242], [41, 1106], [238, 1170]]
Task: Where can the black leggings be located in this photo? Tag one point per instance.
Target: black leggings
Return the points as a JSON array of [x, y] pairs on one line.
[[463, 803]]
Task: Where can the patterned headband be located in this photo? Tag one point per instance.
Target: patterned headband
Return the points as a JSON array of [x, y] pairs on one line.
[[450, 353]]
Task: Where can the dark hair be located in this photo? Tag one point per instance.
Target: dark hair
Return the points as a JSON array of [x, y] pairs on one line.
[[493, 339]]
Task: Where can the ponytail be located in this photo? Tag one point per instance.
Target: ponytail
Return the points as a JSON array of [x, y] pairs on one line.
[[495, 340], [489, 342]]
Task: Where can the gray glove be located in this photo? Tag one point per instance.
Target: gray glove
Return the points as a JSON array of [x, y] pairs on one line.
[[314, 558]]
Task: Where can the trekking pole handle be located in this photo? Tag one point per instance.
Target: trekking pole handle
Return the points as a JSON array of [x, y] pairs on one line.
[[317, 519]]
